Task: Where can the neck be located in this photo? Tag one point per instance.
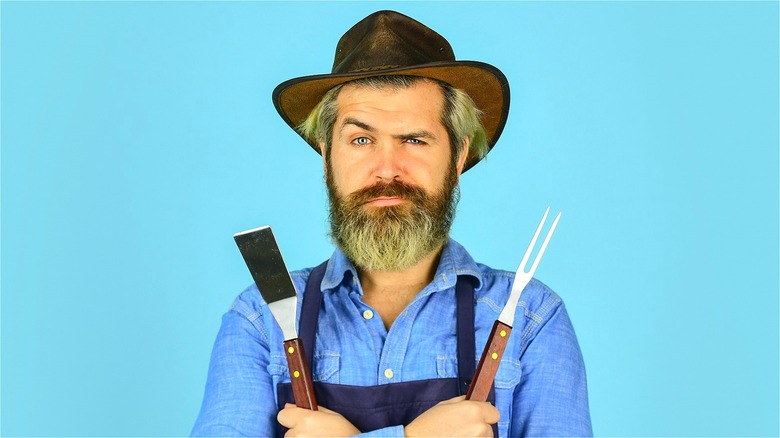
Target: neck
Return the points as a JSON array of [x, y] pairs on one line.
[[389, 292]]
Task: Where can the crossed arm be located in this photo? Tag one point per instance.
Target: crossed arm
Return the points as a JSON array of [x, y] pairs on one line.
[[450, 418], [550, 400], [239, 398]]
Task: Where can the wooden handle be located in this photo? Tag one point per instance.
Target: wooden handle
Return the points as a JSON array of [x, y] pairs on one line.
[[488, 363], [302, 387]]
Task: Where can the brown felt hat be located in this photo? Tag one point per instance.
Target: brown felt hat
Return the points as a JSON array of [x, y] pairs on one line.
[[389, 43]]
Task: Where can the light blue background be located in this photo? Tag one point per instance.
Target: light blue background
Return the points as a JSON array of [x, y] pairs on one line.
[[137, 137]]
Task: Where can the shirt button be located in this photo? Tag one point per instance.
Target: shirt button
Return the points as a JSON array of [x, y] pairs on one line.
[[389, 373], [368, 314]]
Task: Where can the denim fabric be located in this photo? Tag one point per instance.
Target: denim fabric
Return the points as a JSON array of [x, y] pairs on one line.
[[540, 386]]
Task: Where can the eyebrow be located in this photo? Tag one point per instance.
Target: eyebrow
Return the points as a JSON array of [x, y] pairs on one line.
[[356, 122], [362, 125], [416, 134]]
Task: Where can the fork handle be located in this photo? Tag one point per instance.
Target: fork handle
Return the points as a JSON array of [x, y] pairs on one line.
[[488, 363], [303, 389]]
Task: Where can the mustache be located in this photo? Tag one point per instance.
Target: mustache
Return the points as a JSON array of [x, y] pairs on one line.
[[395, 189]]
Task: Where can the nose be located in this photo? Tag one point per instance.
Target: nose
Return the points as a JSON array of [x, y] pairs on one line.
[[389, 164]]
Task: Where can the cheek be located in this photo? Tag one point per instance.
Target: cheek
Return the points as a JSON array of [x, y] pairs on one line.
[[337, 176], [349, 168]]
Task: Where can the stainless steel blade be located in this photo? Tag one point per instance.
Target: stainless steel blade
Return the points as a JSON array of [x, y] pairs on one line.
[[266, 264]]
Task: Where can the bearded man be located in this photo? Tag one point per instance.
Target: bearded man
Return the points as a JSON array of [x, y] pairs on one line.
[[400, 310]]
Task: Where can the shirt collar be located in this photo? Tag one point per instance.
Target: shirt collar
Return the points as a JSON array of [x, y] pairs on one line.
[[454, 261]]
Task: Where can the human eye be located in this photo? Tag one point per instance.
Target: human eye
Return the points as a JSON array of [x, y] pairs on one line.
[[361, 141], [415, 141]]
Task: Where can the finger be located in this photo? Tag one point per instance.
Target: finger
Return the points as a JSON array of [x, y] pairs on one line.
[[487, 432], [491, 414], [287, 416], [457, 399], [325, 410]]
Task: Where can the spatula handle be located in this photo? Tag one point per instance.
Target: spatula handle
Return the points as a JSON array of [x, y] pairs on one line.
[[302, 387], [488, 363]]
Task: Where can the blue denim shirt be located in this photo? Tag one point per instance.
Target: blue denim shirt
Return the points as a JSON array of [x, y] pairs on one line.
[[540, 387]]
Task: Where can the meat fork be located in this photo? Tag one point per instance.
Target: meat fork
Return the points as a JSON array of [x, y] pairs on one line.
[[499, 336]]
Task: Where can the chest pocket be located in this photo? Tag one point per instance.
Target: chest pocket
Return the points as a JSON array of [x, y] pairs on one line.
[[446, 366], [326, 368], [509, 374]]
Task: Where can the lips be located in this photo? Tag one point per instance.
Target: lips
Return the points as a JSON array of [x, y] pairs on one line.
[[386, 201]]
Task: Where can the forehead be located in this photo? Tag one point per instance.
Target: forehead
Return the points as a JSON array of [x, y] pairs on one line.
[[422, 100]]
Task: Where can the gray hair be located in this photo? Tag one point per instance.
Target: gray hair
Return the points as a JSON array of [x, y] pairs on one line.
[[460, 116]]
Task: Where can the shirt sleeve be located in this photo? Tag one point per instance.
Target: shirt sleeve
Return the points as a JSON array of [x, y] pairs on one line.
[[239, 397], [552, 396], [387, 432]]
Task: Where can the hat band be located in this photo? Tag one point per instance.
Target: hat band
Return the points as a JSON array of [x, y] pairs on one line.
[[378, 67]]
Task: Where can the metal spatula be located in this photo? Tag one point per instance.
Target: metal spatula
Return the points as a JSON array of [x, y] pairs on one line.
[[265, 263]]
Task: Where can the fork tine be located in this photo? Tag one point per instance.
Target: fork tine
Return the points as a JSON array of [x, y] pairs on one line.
[[531, 246], [544, 244], [523, 277]]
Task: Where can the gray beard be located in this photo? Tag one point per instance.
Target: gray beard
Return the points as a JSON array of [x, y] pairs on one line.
[[396, 237]]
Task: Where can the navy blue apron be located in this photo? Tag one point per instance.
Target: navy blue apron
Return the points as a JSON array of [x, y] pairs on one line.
[[374, 407]]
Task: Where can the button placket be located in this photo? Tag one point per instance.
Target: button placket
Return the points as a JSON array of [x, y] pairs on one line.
[[396, 343]]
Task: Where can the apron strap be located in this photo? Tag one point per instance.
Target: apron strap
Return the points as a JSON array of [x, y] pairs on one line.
[[310, 311], [465, 326]]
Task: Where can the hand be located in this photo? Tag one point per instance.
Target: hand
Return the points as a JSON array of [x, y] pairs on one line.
[[455, 417], [324, 422]]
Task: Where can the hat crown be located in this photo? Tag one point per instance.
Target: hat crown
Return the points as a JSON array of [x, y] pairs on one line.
[[388, 39], [389, 43]]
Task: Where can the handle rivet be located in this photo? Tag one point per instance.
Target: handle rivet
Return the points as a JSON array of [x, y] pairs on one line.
[[291, 350], [503, 333], [296, 374], [494, 356]]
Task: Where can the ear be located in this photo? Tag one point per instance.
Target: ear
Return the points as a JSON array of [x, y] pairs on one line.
[[464, 155], [322, 152]]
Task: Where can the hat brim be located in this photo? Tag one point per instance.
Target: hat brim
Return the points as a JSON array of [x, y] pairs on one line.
[[486, 85]]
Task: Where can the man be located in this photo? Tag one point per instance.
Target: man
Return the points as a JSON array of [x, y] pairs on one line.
[[400, 310]]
